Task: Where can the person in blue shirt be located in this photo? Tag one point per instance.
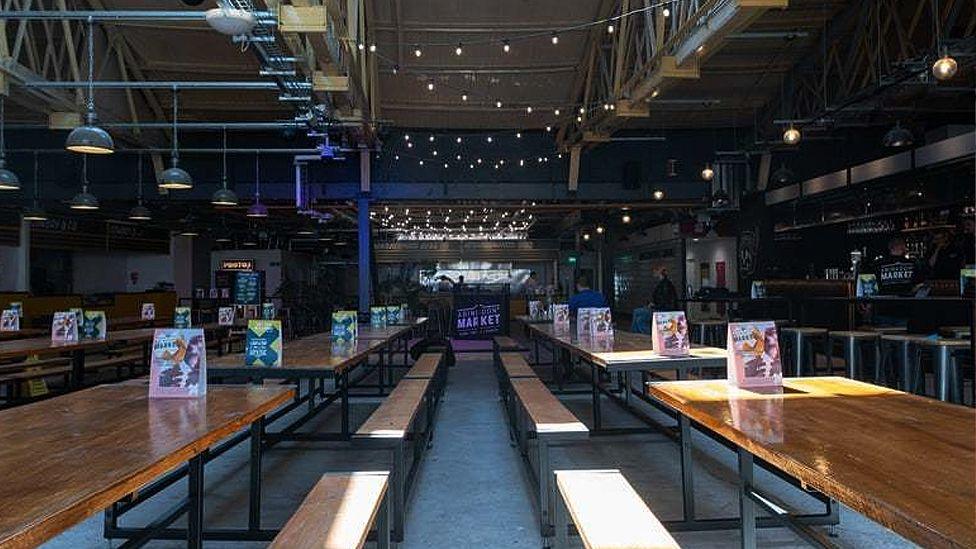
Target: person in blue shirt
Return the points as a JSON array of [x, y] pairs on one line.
[[585, 297]]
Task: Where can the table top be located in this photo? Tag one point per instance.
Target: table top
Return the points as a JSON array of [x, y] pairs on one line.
[[388, 332], [67, 458], [23, 333], [45, 345], [314, 355], [902, 460], [629, 351]]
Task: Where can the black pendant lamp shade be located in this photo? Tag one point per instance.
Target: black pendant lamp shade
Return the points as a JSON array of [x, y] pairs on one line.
[[8, 179], [89, 138], [224, 196], [783, 176], [84, 200], [139, 212], [898, 137], [35, 212]]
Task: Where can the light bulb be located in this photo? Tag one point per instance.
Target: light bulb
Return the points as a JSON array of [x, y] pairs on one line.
[[431, 139], [506, 47], [556, 112], [528, 110], [406, 137], [658, 194], [600, 229], [489, 139], [361, 46], [518, 135], [464, 97], [625, 218], [498, 104], [555, 38], [666, 12], [582, 110], [430, 86], [945, 68], [610, 28], [417, 52], [458, 50], [708, 173], [548, 128], [372, 48], [791, 136]]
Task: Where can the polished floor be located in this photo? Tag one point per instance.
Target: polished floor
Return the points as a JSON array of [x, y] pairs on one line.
[[472, 490]]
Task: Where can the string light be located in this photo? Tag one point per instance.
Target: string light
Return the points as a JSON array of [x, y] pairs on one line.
[[556, 112], [548, 128], [417, 52], [459, 140], [458, 50], [464, 96], [555, 38], [506, 47], [431, 138], [625, 218], [528, 110], [406, 137], [658, 194], [610, 28], [372, 48], [518, 135], [498, 104], [409, 144], [489, 139], [458, 157], [582, 110], [430, 85], [600, 229]]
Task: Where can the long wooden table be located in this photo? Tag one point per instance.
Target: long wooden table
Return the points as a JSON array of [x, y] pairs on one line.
[[623, 354], [902, 460], [65, 459], [317, 358]]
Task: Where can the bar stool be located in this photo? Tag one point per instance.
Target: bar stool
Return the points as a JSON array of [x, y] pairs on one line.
[[896, 356], [710, 332], [854, 343], [948, 382], [800, 341]]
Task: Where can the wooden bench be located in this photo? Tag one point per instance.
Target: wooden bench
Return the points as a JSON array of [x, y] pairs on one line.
[[607, 513], [390, 427], [339, 513], [540, 415], [429, 366], [510, 366], [506, 343], [14, 381]]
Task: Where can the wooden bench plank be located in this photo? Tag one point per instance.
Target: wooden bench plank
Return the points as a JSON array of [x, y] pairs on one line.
[[425, 367], [545, 411], [516, 366], [506, 343], [337, 514], [395, 415], [608, 513]]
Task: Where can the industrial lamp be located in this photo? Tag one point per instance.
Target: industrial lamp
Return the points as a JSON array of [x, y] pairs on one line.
[[224, 196], [89, 138], [84, 200], [175, 177]]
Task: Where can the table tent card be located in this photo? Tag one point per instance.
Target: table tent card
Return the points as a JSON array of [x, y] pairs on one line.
[[79, 314], [867, 285], [754, 359], [212, 293], [178, 365], [181, 318], [263, 344], [268, 311], [17, 306], [560, 316], [535, 310], [758, 289], [94, 325], [669, 334], [344, 325], [583, 321], [64, 327], [601, 323], [9, 321], [343, 348], [149, 311], [404, 313], [377, 317], [393, 315], [225, 316]]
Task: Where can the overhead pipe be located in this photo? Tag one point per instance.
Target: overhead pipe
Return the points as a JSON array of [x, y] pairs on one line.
[[262, 17], [236, 150], [169, 85]]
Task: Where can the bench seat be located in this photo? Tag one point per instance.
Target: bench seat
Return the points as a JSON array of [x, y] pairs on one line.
[[515, 365], [546, 415], [396, 414], [607, 512], [339, 513], [425, 368], [506, 343]]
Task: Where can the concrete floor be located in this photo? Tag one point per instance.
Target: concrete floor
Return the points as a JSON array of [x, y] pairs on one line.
[[472, 489]]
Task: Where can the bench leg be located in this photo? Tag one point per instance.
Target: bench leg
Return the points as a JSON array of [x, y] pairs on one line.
[[544, 500], [383, 524], [399, 487], [254, 510], [194, 512], [687, 469], [562, 524]]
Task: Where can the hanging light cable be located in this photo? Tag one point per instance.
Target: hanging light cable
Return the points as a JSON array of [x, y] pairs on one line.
[[224, 196], [257, 209], [35, 212], [175, 177], [8, 179], [84, 200], [89, 138], [139, 212]]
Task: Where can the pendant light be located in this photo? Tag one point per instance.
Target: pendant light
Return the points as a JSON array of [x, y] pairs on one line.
[[257, 209], [175, 177], [224, 196], [84, 200], [783, 176], [140, 212], [945, 67], [791, 136], [898, 137], [35, 212], [89, 138], [707, 172]]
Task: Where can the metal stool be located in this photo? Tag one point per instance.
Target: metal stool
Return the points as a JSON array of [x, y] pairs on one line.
[[710, 332], [799, 341], [948, 382], [896, 356], [854, 343]]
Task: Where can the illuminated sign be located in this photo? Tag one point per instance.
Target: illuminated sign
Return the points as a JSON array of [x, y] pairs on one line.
[[237, 264]]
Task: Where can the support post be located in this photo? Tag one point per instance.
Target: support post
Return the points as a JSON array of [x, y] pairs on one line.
[[23, 257], [365, 276]]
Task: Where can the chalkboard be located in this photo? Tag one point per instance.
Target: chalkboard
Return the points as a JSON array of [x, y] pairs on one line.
[[247, 288]]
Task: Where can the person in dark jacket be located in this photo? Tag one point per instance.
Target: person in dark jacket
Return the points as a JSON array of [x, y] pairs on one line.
[[665, 296]]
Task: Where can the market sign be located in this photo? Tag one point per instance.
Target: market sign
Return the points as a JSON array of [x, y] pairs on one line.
[[237, 264]]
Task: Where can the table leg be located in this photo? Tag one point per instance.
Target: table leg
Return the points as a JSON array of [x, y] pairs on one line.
[[254, 510], [381, 372], [383, 524], [78, 368], [194, 511], [798, 355], [344, 398], [687, 469], [906, 366], [747, 509], [595, 378], [942, 373]]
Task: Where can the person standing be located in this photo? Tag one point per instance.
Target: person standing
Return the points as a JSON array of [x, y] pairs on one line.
[[585, 296], [665, 296], [531, 284]]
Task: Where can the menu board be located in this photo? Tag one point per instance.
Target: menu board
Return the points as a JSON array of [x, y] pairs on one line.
[[247, 288]]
